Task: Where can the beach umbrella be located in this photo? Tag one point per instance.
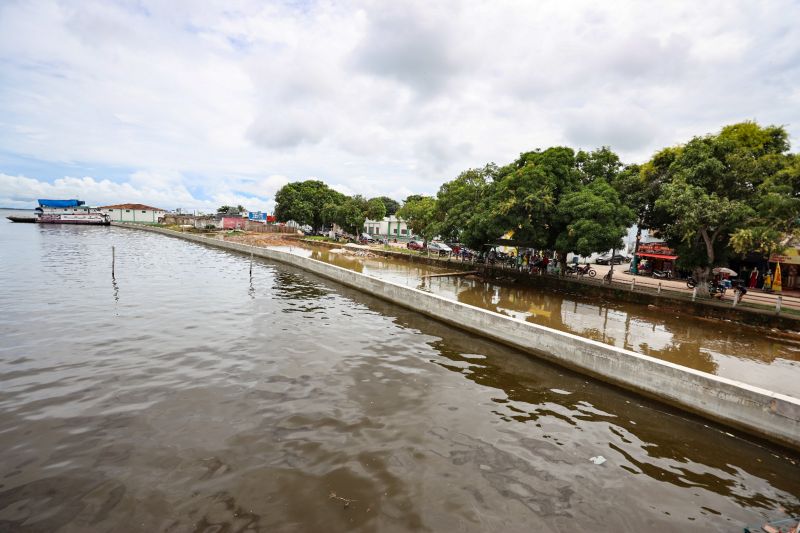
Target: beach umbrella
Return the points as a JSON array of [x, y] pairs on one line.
[[776, 281], [724, 270]]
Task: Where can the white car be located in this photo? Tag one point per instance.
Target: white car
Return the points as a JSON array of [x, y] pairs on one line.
[[439, 247]]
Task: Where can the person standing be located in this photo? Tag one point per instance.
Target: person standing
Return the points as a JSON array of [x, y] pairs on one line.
[[753, 278]]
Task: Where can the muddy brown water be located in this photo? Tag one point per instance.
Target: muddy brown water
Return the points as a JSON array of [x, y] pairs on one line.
[[755, 356], [186, 395]]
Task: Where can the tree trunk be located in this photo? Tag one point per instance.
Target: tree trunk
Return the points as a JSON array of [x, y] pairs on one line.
[[610, 276], [702, 274]]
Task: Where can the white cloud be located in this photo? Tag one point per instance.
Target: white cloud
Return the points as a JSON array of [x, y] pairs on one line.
[[372, 97], [152, 188]]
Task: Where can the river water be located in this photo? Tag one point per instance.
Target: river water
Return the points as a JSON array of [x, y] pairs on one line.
[[755, 356], [186, 394]]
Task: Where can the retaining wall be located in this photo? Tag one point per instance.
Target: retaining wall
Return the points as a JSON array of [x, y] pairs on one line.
[[770, 415]]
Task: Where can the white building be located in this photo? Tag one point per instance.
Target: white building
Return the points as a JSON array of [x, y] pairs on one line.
[[390, 226], [133, 213]]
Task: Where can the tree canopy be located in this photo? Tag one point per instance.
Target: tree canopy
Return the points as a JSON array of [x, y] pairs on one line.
[[390, 204], [303, 202], [419, 212], [732, 191], [554, 199], [230, 210]]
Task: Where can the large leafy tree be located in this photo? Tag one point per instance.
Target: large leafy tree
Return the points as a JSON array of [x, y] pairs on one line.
[[303, 202], [717, 186], [351, 214], [390, 204], [419, 212], [593, 219], [526, 194], [375, 209], [230, 210], [777, 208], [458, 200]]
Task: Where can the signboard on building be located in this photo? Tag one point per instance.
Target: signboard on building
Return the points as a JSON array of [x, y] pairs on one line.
[[790, 256], [257, 216]]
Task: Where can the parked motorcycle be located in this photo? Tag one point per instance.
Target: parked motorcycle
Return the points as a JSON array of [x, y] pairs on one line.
[[713, 288], [585, 270], [662, 274]]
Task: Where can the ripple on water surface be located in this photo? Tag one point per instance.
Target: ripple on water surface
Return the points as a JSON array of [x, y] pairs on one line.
[[187, 396]]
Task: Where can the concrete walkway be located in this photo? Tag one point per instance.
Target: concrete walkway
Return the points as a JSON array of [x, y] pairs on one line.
[[789, 299]]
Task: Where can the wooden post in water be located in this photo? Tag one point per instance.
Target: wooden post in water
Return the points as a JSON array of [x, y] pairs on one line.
[[735, 298], [251, 265], [633, 284], [778, 304], [694, 293], [113, 259], [659, 287]]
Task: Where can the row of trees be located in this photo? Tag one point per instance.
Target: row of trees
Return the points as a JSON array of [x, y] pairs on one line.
[[313, 203], [733, 192]]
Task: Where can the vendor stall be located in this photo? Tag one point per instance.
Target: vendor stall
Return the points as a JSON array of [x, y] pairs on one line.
[[654, 256]]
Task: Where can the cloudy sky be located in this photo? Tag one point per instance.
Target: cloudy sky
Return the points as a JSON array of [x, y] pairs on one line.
[[195, 104]]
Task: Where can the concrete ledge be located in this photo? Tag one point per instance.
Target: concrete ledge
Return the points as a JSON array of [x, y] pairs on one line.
[[766, 414]]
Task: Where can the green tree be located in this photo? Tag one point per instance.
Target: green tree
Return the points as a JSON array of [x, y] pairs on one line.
[[390, 204], [777, 208], [526, 194], [457, 200], [376, 209], [593, 219], [419, 212], [714, 187], [303, 202], [351, 214], [230, 210]]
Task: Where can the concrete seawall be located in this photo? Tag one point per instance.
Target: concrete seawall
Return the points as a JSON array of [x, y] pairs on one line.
[[766, 414]]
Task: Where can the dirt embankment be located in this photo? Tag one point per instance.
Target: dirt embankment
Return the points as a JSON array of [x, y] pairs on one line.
[[263, 239]]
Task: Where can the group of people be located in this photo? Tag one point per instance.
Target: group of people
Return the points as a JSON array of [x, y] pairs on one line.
[[721, 284], [525, 260]]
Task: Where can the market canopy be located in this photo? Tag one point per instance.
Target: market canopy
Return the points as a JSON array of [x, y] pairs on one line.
[[658, 256]]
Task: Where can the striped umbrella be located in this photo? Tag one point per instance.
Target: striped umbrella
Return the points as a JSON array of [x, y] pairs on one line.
[[776, 282]]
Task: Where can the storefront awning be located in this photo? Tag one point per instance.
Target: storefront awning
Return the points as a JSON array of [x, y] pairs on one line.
[[659, 256]]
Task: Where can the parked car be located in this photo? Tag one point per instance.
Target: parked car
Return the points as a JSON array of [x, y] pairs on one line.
[[439, 247], [415, 245], [366, 238], [605, 259]]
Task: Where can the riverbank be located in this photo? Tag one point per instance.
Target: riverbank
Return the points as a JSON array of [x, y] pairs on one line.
[[763, 413], [625, 288]]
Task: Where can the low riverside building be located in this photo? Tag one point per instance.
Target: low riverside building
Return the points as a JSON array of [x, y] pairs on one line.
[[390, 226], [143, 214], [196, 221]]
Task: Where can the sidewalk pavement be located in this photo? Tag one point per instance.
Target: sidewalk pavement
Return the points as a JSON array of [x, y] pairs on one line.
[[789, 299]]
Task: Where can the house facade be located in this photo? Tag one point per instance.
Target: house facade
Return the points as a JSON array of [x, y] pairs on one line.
[[140, 213], [390, 226]]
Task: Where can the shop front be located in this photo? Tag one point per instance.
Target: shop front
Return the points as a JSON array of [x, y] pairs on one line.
[[654, 256], [789, 263]]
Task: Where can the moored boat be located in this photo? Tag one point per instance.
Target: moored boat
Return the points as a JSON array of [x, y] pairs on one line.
[[69, 212], [21, 219]]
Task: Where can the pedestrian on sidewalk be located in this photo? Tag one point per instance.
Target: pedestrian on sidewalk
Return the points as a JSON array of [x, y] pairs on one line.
[[753, 278]]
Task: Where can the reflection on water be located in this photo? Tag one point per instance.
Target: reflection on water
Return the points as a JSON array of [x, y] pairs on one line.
[[202, 406], [737, 352]]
